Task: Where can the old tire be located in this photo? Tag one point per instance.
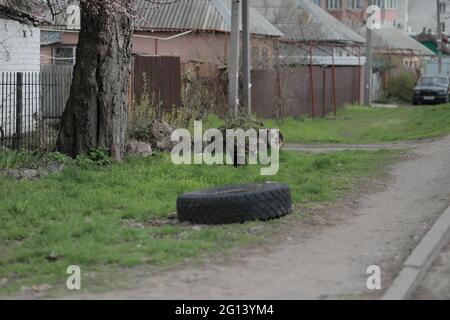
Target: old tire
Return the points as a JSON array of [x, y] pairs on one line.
[[235, 204]]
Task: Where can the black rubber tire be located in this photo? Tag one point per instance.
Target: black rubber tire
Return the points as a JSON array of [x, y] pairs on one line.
[[235, 204]]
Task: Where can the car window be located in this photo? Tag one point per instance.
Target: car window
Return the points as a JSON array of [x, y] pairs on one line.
[[433, 81]]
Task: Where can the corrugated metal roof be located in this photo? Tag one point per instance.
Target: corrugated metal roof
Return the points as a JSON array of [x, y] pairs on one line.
[[206, 15], [391, 38], [302, 20], [23, 17]]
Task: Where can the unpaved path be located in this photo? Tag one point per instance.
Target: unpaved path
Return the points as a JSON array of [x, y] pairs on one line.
[[380, 229], [319, 148]]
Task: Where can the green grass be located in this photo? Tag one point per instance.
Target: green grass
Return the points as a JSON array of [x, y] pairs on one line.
[[108, 216], [16, 159], [357, 125]]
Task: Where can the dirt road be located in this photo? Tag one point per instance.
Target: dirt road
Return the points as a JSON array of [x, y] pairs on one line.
[[324, 262]]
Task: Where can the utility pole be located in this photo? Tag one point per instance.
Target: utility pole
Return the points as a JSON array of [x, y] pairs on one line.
[[233, 63], [247, 67], [368, 71], [439, 36]]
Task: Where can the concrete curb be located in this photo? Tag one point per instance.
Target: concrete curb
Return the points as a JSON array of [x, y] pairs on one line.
[[416, 266]]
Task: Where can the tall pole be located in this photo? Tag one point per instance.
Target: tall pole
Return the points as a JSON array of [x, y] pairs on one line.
[[368, 71], [439, 36], [233, 63], [333, 70], [247, 66], [311, 75]]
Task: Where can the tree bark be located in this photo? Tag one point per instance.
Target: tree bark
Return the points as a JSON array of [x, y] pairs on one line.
[[96, 112]]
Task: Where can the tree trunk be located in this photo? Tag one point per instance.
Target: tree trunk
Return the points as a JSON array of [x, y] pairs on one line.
[[96, 112]]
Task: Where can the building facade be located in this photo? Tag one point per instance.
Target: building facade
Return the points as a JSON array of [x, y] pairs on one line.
[[19, 42], [19, 54], [420, 16], [353, 12], [197, 31]]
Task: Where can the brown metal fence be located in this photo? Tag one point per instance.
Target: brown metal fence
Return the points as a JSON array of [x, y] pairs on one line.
[[32, 104], [289, 91], [158, 76]]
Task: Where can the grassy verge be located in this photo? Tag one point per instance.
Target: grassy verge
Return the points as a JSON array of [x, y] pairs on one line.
[[361, 125], [355, 125], [115, 216]]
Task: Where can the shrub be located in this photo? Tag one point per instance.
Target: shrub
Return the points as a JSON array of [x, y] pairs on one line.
[[243, 121], [143, 114], [401, 87], [198, 103], [96, 157], [58, 158]]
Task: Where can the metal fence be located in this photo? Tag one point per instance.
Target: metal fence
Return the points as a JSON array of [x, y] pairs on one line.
[[303, 90], [32, 103], [31, 107], [431, 67], [158, 76]]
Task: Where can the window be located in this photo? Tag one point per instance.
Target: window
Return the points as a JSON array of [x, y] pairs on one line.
[[333, 4], [379, 3], [442, 7], [385, 4], [355, 4], [392, 4], [64, 55]]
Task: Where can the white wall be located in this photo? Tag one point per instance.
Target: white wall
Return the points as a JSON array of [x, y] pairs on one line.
[[20, 47], [19, 52]]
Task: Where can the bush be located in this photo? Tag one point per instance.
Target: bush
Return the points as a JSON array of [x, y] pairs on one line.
[[198, 103], [401, 87], [243, 121], [143, 114], [96, 157]]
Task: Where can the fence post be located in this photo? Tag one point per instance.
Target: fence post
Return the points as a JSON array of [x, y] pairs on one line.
[[19, 108], [280, 112]]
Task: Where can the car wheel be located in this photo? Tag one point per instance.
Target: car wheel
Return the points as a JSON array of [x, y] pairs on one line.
[[235, 204]]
